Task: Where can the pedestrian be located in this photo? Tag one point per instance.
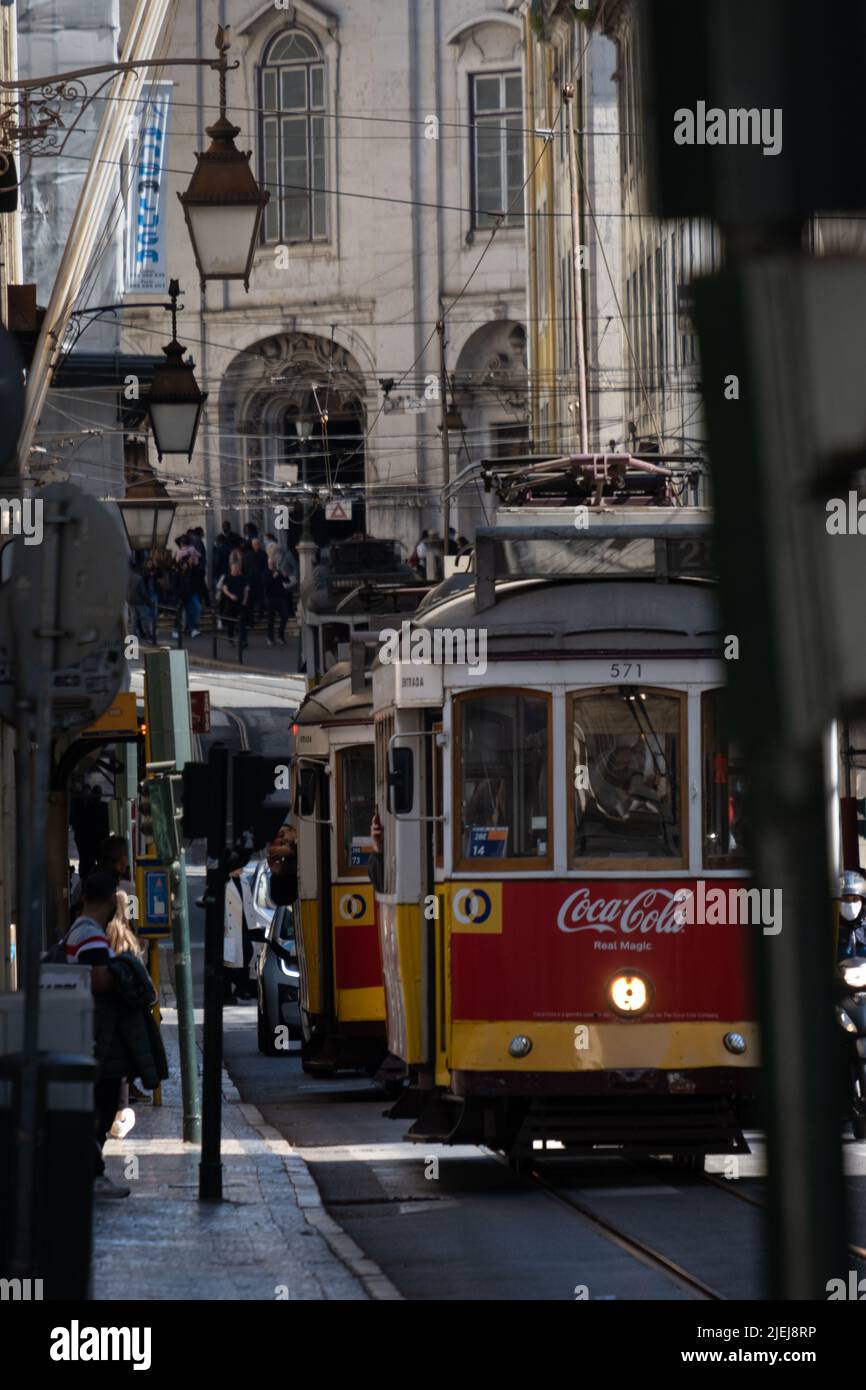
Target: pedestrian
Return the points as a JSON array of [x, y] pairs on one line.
[[234, 598], [114, 857], [196, 537], [89, 821], [251, 531], [237, 943], [188, 592], [255, 568], [138, 600], [126, 1040], [278, 586], [122, 939]]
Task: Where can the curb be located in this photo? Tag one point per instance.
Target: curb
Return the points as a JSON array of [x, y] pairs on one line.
[[309, 1200], [305, 1189]]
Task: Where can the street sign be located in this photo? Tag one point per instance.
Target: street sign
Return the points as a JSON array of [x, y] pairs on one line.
[[199, 704], [336, 510], [154, 895], [121, 719]]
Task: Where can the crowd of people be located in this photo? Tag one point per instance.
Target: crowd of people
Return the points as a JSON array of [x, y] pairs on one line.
[[254, 581]]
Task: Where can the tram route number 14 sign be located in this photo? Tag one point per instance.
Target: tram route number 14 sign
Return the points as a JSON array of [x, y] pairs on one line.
[[488, 841]]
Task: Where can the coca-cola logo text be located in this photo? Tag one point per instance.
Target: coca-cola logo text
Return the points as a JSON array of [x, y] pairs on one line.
[[651, 910]]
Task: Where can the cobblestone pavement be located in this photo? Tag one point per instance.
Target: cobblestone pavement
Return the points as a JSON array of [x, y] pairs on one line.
[[270, 1238]]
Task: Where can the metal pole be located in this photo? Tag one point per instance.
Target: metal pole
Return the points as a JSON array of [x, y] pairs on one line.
[[210, 1187], [185, 1010], [446, 448], [801, 1068], [568, 98]]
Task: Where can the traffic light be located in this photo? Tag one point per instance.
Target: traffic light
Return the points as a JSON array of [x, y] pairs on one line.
[[196, 801], [145, 811], [166, 811], [261, 799]]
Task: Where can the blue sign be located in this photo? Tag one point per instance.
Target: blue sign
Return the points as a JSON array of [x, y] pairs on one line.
[[156, 897], [488, 841], [358, 857], [148, 213]]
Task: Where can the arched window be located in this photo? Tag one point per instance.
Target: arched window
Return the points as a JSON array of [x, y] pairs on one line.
[[293, 139]]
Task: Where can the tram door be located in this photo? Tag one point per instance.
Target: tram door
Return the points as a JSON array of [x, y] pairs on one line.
[[437, 891], [326, 940]]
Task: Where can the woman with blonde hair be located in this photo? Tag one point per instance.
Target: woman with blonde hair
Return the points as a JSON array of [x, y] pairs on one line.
[[119, 932], [123, 941]]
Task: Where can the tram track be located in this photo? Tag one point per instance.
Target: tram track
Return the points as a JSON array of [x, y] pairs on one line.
[[638, 1248], [724, 1185]]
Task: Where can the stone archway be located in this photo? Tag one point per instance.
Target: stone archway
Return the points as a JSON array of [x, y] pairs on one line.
[[490, 392], [285, 381]]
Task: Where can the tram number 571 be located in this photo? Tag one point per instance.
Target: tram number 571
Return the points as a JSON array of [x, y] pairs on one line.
[[622, 670]]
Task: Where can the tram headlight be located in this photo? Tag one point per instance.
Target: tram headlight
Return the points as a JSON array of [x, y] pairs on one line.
[[629, 993], [855, 975], [521, 1046], [735, 1042]]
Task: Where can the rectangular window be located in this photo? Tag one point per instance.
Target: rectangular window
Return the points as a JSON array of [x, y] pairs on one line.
[[543, 264], [438, 799], [497, 148], [724, 789], [509, 441], [501, 779], [355, 806], [293, 153], [270, 143], [384, 731], [626, 770]]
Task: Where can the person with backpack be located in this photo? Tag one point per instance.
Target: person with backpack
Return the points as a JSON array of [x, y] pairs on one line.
[[126, 1036]]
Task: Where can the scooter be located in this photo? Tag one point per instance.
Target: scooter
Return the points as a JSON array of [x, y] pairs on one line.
[[851, 1015]]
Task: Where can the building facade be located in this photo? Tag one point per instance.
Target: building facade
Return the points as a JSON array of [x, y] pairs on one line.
[[563, 48], [389, 138]]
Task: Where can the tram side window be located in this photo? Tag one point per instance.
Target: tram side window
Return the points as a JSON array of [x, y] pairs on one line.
[[626, 774], [724, 788], [356, 771], [503, 779], [383, 730]]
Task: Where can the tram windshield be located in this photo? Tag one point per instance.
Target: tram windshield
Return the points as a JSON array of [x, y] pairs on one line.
[[626, 747], [503, 777], [356, 772]]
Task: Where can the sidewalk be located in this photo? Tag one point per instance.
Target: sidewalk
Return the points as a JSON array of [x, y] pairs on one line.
[[270, 1238], [258, 656]]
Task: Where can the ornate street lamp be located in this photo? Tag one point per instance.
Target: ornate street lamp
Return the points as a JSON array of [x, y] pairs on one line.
[[223, 205], [175, 402], [147, 513]]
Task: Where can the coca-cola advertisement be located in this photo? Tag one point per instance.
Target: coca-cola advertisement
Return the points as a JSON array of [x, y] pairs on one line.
[[557, 944]]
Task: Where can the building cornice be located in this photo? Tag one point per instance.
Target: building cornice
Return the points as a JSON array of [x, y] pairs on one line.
[[296, 13]]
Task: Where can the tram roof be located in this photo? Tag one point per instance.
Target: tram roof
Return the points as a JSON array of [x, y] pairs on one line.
[[580, 615], [333, 698]]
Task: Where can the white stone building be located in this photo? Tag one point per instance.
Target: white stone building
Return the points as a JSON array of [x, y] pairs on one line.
[[385, 131]]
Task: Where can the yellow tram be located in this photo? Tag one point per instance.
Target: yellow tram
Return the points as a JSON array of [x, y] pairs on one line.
[[342, 1001], [560, 804]]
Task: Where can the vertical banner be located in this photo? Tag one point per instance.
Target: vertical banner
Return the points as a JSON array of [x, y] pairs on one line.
[[147, 221]]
